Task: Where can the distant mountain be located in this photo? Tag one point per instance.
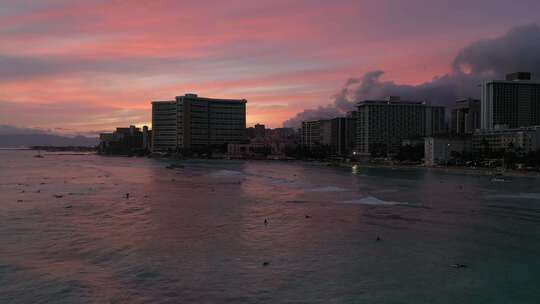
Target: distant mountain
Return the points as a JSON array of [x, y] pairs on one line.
[[13, 137], [27, 140]]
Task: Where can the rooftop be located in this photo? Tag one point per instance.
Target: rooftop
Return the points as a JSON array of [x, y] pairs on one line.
[[164, 101], [195, 96], [515, 78]]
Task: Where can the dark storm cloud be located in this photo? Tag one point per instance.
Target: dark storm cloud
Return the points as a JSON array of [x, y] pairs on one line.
[[517, 50]]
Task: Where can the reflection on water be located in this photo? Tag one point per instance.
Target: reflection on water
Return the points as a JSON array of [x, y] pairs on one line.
[[68, 233]]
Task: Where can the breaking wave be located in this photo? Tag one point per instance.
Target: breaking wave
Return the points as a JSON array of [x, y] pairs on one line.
[[226, 173], [522, 195], [373, 201]]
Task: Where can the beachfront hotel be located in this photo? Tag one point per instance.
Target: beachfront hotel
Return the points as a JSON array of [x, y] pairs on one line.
[[164, 126], [337, 134], [382, 125], [510, 103], [193, 122], [524, 140]]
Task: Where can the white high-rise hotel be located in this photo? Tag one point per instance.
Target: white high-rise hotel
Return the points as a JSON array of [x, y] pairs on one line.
[[192, 122]]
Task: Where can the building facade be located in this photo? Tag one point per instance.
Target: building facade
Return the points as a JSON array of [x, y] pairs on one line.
[[147, 138], [439, 150], [311, 134], [337, 134], [382, 125], [284, 134], [510, 103], [164, 126], [123, 141], [191, 122], [259, 130], [340, 134], [525, 139], [465, 117]]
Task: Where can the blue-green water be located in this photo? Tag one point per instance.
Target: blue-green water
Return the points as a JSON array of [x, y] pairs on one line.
[[68, 234]]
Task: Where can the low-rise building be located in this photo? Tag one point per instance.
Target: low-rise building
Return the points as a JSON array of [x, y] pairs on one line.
[[248, 150], [338, 134], [124, 141], [284, 134], [524, 140], [417, 141], [272, 143], [439, 150]]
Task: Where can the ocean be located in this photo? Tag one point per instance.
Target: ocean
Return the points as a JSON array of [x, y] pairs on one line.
[[83, 228]]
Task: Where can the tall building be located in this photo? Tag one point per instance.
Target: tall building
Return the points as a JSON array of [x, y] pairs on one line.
[[510, 103], [193, 122], [435, 119], [336, 134], [382, 125], [465, 117], [123, 141], [339, 134], [311, 134], [440, 150], [164, 125]]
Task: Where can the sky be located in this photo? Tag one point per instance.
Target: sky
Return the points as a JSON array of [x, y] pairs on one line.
[[84, 67]]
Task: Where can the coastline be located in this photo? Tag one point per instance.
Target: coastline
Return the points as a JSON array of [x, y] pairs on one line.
[[459, 170], [349, 165]]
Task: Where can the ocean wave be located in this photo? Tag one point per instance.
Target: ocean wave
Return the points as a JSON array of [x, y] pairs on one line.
[[522, 195], [226, 173], [371, 200], [327, 189]]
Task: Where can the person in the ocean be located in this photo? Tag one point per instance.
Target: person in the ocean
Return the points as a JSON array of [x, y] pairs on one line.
[[266, 222]]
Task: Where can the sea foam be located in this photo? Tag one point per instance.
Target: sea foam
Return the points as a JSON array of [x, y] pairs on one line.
[[226, 173], [371, 200]]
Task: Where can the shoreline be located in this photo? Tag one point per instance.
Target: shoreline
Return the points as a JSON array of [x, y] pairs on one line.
[[461, 170], [349, 165]]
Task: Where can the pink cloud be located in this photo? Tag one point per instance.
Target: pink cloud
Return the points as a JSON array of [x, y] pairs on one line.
[[283, 56]]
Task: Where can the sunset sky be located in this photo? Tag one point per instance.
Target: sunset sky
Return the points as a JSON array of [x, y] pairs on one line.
[[89, 66]]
